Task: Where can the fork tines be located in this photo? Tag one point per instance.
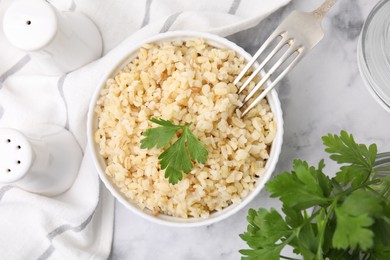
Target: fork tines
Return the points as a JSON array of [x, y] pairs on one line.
[[294, 48]]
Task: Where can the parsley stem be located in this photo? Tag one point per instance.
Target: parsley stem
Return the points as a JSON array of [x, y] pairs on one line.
[[296, 232], [365, 256], [386, 191], [321, 232], [355, 253], [286, 257], [348, 191], [380, 195]]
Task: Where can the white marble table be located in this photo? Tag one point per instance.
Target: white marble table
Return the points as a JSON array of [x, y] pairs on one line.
[[323, 94]]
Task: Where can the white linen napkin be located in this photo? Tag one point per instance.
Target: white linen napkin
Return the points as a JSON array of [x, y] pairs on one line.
[[79, 223]]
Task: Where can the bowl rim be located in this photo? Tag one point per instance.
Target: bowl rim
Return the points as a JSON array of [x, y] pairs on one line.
[[166, 220]]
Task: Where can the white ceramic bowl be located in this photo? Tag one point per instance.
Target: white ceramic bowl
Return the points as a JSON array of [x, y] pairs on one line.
[[100, 164]]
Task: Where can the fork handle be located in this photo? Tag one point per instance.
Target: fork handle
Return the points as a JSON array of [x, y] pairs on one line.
[[321, 11]]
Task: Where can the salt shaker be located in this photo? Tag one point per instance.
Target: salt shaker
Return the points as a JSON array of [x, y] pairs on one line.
[[58, 42], [45, 160]]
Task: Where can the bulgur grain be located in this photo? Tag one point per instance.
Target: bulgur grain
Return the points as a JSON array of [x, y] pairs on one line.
[[183, 82]]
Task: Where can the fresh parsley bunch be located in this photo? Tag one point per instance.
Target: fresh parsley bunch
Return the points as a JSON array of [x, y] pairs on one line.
[[176, 160], [350, 216]]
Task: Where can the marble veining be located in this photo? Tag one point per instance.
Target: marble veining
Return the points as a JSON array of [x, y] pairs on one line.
[[349, 19], [323, 94]]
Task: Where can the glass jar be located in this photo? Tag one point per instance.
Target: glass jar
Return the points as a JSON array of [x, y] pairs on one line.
[[382, 170], [374, 53]]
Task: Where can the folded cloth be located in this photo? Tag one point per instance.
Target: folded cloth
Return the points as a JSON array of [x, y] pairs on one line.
[[78, 224]]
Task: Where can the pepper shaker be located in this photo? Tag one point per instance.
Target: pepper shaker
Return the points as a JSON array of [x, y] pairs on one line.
[[57, 41], [45, 160]]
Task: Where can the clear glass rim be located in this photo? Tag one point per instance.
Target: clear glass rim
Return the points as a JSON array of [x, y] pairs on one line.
[[374, 88], [382, 159]]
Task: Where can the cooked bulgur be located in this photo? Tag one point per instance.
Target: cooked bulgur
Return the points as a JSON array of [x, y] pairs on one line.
[[183, 82]]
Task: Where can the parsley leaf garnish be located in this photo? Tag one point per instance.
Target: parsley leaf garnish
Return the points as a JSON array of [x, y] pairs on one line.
[[344, 149], [300, 188], [175, 160], [266, 228], [351, 216], [354, 219], [160, 136]]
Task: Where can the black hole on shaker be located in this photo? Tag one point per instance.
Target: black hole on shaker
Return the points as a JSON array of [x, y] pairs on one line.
[[18, 162], [8, 170], [19, 147], [8, 140], [28, 22]]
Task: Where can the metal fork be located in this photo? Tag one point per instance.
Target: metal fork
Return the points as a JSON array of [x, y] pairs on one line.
[[300, 31]]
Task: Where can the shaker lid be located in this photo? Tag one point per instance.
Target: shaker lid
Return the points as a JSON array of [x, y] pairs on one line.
[[16, 155], [30, 24]]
